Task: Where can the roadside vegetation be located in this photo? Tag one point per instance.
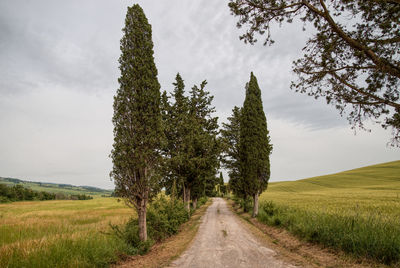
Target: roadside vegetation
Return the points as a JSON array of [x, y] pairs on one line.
[[90, 233], [164, 218], [159, 143], [356, 211]]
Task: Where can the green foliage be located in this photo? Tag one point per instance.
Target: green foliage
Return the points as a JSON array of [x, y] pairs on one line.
[[177, 131], [231, 158], [202, 201], [55, 188], [351, 59], [129, 234], [164, 217], [362, 237], [138, 131], [254, 147], [20, 193], [221, 179], [191, 154]]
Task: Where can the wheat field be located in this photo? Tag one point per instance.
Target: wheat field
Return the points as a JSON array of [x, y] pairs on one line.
[[62, 233], [357, 211]]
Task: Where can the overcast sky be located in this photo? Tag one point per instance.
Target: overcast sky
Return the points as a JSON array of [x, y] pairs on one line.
[[59, 71]]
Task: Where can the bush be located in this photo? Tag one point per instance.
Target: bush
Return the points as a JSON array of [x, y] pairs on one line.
[[202, 201], [130, 235], [4, 199], [164, 217]]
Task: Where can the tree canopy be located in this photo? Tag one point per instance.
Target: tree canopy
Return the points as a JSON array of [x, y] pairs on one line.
[[255, 146], [192, 148], [137, 120], [230, 160], [352, 60]]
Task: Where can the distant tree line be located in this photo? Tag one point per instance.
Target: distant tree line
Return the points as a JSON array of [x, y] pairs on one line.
[[20, 193]]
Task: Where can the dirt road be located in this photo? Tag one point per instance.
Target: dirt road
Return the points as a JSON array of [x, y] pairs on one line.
[[223, 241]]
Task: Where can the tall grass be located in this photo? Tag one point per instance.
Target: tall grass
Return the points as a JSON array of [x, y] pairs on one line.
[[362, 237], [357, 211], [61, 233]]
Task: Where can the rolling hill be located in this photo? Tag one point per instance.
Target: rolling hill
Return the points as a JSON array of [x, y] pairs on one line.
[[57, 188], [369, 190], [357, 211], [384, 176]]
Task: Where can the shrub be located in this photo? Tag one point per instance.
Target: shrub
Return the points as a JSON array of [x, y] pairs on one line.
[[164, 217], [202, 201], [4, 199]]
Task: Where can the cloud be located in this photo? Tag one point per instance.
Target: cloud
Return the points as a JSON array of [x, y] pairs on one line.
[[59, 71]]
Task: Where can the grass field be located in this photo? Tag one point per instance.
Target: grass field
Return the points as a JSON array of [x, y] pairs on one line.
[[357, 211], [60, 233], [57, 188]]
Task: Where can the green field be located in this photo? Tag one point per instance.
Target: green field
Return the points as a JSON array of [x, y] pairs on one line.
[[57, 188], [62, 233], [357, 211]]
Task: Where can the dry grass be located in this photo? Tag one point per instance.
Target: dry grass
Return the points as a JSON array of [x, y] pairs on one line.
[[60, 233]]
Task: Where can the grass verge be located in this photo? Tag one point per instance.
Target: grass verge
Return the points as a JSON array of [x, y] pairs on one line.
[[299, 251], [361, 237]]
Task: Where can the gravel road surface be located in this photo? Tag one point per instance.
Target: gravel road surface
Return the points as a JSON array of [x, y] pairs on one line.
[[223, 241]]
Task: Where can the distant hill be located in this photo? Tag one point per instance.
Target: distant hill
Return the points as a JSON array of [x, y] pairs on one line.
[[57, 188], [384, 176]]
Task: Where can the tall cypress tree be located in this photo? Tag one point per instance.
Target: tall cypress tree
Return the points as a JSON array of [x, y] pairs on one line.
[[204, 147], [255, 147], [231, 158], [137, 119], [177, 128]]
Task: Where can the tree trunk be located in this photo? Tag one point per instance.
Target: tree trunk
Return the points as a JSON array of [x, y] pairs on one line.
[[186, 197], [255, 208], [195, 203], [245, 204], [142, 220]]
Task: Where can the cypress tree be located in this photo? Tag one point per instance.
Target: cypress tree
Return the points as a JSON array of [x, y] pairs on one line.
[[137, 120], [221, 179], [204, 147], [231, 159], [255, 147], [192, 148], [177, 128]]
